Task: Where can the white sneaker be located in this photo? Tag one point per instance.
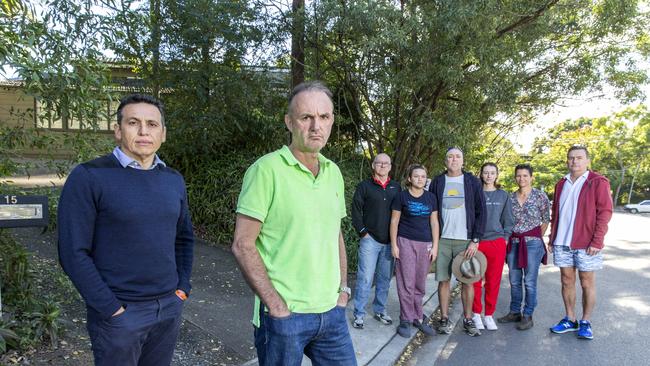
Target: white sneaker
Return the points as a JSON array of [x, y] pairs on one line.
[[489, 323], [477, 321]]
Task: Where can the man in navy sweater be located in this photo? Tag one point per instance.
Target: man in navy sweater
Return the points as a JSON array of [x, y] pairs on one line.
[[126, 241]]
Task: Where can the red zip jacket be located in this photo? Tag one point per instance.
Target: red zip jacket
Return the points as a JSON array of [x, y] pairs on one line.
[[593, 214]]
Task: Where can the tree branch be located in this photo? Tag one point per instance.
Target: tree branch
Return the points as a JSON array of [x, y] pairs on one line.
[[526, 19]]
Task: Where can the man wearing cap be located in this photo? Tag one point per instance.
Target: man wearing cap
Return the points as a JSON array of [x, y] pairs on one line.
[[582, 208], [288, 241], [371, 210], [126, 242], [462, 221]]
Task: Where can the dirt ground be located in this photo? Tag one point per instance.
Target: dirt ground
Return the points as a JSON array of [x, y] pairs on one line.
[[195, 346]]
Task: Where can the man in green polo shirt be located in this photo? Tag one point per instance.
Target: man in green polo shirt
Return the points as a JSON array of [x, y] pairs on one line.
[[289, 245]]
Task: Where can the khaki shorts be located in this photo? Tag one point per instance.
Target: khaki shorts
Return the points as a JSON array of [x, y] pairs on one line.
[[447, 250]]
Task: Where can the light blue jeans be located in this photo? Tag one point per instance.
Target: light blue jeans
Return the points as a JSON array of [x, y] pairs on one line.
[[525, 277], [375, 261]]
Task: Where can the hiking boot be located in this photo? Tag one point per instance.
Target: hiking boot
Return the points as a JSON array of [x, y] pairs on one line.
[[423, 327], [358, 322], [384, 318], [525, 323], [443, 326], [489, 323], [404, 329], [476, 318], [510, 318], [470, 328], [584, 331], [565, 325]]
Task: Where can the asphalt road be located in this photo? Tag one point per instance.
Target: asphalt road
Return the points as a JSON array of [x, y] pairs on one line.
[[620, 321]]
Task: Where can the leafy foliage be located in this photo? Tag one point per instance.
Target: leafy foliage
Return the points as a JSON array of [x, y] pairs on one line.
[[7, 337], [617, 144], [54, 50], [32, 319], [410, 79], [416, 77], [56, 54]]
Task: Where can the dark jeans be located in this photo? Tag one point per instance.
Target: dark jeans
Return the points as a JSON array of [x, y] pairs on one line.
[[143, 335], [324, 338]]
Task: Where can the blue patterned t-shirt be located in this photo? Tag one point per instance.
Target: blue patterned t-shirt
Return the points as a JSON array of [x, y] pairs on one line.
[[415, 219]]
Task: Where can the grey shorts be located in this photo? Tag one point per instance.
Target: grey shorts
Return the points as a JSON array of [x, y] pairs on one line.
[[564, 256]]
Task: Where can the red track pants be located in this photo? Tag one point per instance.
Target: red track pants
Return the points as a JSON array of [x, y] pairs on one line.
[[495, 252]]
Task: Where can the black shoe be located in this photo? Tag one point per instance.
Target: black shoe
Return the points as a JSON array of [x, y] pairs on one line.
[[470, 328], [357, 322], [510, 318], [424, 328], [525, 323], [404, 329], [383, 318], [443, 326]]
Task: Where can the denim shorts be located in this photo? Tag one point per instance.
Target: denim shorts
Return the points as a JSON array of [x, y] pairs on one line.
[[564, 256]]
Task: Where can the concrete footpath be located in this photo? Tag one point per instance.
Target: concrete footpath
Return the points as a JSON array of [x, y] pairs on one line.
[[377, 344]]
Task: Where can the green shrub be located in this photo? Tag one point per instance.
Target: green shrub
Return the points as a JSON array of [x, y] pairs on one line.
[[354, 168], [32, 319], [8, 338], [45, 322], [213, 193]]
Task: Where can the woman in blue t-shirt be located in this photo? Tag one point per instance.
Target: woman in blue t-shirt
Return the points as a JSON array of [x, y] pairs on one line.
[[414, 237]]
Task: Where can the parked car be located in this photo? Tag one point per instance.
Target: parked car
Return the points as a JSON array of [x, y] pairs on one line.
[[643, 206]]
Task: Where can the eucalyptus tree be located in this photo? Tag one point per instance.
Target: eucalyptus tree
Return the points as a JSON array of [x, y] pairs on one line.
[[415, 77], [54, 48], [617, 146]]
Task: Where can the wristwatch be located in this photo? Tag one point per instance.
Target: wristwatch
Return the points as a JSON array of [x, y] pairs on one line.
[[345, 289], [475, 240]]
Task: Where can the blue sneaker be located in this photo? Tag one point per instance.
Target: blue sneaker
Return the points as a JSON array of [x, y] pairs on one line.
[[565, 325], [585, 330]]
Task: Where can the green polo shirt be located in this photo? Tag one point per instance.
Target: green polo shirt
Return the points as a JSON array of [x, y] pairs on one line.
[[301, 221]]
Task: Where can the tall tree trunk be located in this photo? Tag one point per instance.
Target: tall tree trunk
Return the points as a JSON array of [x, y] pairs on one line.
[[618, 187], [636, 171], [155, 47], [206, 67], [298, 43], [317, 50]]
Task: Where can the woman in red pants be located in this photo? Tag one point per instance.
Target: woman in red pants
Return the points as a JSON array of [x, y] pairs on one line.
[[498, 227]]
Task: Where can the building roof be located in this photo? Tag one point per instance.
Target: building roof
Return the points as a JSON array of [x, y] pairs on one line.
[[11, 83]]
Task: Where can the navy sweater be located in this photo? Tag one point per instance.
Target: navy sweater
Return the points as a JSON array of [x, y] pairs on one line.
[[124, 234]]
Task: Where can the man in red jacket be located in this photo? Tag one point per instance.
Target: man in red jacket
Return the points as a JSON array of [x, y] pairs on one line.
[[582, 208]]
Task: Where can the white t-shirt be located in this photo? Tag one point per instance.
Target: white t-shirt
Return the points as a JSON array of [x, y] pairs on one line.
[[454, 218], [568, 208]]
